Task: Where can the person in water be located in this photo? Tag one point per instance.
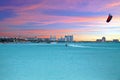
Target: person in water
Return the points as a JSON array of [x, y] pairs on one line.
[[66, 44]]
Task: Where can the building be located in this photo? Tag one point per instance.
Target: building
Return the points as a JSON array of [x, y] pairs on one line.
[[115, 40], [61, 39], [103, 39], [99, 40], [69, 38], [52, 38]]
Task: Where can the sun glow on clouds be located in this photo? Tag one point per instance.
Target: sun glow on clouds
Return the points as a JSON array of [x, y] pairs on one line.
[[85, 19]]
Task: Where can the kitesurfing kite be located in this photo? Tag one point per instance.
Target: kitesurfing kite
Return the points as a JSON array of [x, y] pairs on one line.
[[109, 18]]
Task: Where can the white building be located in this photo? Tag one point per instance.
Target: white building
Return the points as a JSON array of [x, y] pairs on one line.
[[69, 38], [103, 39], [52, 38], [61, 39]]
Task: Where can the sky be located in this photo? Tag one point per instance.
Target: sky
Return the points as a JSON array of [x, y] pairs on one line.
[[84, 19]]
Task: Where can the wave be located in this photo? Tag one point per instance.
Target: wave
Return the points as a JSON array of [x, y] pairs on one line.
[[81, 46], [84, 46]]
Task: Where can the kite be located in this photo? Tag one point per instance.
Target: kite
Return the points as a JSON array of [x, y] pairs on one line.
[[109, 18]]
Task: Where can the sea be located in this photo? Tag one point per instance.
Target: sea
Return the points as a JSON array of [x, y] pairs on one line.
[[55, 61]]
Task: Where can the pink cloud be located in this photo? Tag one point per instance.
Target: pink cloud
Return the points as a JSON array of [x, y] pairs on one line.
[[112, 5], [39, 33], [77, 5], [42, 19]]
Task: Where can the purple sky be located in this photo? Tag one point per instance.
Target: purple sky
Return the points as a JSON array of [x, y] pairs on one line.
[[85, 19]]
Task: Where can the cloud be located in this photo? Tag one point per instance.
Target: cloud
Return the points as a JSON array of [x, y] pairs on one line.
[[69, 15], [74, 5], [112, 5], [41, 32]]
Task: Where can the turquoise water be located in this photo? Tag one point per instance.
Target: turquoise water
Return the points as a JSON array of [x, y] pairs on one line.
[[78, 61]]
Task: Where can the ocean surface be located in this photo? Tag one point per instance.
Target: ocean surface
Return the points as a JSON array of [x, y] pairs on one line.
[[78, 61]]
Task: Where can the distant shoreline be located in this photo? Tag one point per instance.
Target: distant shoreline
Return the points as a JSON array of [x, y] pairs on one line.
[[63, 42]]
